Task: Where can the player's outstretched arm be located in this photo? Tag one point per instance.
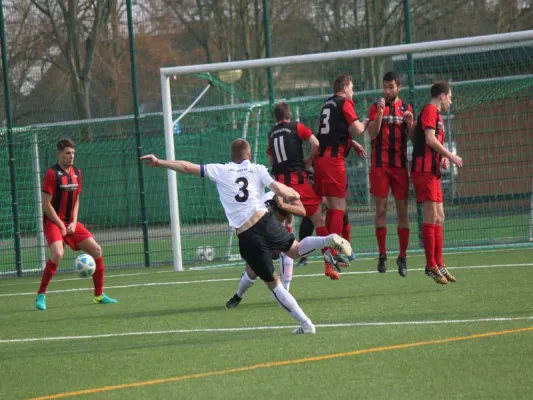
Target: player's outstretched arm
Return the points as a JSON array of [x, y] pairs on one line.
[[183, 167], [435, 145]]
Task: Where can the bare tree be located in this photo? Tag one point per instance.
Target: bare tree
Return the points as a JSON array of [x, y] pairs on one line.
[[74, 27]]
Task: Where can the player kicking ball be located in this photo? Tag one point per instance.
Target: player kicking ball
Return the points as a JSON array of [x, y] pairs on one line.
[[283, 212], [240, 184]]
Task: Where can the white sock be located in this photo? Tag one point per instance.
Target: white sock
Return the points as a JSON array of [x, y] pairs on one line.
[[311, 243], [245, 284], [286, 264], [289, 304]]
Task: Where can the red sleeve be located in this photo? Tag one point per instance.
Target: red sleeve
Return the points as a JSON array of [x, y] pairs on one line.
[[410, 109], [349, 111], [372, 112], [429, 118], [269, 148], [303, 131], [79, 182], [49, 183]]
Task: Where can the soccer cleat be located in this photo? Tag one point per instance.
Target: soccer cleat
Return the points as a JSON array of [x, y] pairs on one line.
[[302, 262], [338, 243], [435, 274], [401, 262], [331, 261], [40, 302], [382, 263], [234, 301], [103, 299], [307, 328], [444, 272], [352, 256], [342, 261]]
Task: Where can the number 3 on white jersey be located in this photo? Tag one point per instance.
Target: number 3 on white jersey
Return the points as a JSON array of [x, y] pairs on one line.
[[324, 128]]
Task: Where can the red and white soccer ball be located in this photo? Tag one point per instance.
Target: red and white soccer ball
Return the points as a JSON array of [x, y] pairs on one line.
[[205, 253]]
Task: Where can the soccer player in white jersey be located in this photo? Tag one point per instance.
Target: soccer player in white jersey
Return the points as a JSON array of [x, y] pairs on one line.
[[283, 212], [240, 186]]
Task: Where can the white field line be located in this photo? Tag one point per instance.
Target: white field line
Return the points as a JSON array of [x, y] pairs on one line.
[[239, 264], [236, 279], [261, 328]]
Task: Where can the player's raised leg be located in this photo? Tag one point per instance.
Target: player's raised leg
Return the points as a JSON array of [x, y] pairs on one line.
[[306, 229], [92, 248]]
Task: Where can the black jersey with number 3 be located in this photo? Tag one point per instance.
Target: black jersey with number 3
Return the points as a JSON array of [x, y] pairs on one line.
[[333, 131]]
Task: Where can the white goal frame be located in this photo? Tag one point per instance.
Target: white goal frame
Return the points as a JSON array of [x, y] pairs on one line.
[[166, 73]]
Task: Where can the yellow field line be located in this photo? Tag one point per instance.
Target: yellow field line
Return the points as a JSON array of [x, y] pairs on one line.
[[281, 363]]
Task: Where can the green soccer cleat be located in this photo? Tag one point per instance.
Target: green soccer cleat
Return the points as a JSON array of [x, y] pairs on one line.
[[40, 302], [103, 299]]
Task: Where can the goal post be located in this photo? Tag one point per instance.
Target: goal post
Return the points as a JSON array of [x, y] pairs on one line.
[[499, 90]]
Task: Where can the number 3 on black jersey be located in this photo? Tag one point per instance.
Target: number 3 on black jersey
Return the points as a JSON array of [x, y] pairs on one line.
[[324, 125], [243, 194]]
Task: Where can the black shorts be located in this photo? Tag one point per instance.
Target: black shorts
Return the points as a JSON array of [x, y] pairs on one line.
[[256, 245]]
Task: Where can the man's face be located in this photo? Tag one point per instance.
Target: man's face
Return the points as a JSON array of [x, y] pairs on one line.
[[66, 156], [445, 101], [348, 90], [390, 90]]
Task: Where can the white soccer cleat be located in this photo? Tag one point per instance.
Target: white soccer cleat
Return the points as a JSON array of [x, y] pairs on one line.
[[339, 244], [307, 328]]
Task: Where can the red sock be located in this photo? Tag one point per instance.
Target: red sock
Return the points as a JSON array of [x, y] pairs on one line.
[[403, 238], [289, 228], [381, 235], [346, 231], [98, 277], [439, 242], [428, 238], [336, 221], [48, 273]]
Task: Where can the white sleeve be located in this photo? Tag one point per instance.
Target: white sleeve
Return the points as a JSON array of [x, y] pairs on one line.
[[212, 171], [264, 176]]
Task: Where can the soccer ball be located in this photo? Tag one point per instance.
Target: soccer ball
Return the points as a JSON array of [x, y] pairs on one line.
[[84, 265], [205, 253]]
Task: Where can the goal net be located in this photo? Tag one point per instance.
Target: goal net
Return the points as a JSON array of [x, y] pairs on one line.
[[488, 201]]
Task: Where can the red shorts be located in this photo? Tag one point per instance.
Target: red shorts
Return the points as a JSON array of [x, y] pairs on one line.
[[53, 234], [308, 197], [385, 179], [330, 177], [427, 187]]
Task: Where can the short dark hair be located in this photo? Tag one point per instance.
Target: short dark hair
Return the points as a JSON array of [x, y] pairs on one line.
[[341, 81], [440, 87], [282, 111], [392, 76], [64, 143], [239, 150]]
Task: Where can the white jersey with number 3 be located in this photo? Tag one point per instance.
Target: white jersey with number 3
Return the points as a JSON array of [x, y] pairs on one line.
[[240, 188]]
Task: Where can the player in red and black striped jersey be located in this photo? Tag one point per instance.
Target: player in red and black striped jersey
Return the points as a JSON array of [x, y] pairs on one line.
[[61, 190], [391, 124], [338, 121], [285, 154], [429, 156]]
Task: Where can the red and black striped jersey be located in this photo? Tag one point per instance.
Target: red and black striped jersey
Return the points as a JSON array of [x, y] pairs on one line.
[[285, 146], [65, 187], [425, 159], [389, 147], [336, 116]]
